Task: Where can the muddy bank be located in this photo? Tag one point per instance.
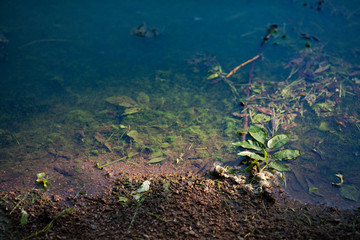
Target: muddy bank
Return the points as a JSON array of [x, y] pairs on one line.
[[185, 206]]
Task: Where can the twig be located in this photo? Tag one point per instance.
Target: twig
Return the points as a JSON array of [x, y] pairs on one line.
[[106, 164], [243, 64]]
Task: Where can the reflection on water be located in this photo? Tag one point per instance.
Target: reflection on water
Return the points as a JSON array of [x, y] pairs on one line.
[[80, 88]]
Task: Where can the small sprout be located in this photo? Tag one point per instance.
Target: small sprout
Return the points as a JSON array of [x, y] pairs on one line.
[[41, 178], [312, 189], [97, 165]]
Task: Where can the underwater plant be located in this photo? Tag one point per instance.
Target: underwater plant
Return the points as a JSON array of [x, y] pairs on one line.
[[257, 150], [43, 180]]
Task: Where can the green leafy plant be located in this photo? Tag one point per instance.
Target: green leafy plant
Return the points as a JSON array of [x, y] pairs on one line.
[[257, 150], [43, 180]]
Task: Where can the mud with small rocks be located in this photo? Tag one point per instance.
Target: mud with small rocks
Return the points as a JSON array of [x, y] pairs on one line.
[[182, 206]]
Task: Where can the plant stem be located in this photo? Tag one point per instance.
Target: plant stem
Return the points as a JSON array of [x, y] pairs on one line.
[[266, 160], [106, 164]]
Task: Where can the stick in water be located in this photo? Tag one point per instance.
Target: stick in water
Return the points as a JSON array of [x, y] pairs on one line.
[[243, 64]]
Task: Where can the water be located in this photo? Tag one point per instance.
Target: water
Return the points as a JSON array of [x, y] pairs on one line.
[[64, 59]]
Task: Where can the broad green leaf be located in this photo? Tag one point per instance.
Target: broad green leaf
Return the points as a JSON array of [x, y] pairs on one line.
[[285, 154], [156, 160], [349, 192], [278, 141], [251, 155], [259, 134], [249, 144], [279, 166]]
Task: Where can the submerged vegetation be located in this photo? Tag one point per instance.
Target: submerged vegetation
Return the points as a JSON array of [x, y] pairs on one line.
[[137, 114], [178, 116]]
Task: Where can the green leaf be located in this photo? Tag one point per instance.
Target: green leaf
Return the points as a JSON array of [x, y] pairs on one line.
[[312, 189], [251, 155], [123, 200], [259, 134], [24, 217], [156, 160], [41, 178], [132, 110], [279, 166], [41, 175], [145, 186], [260, 118], [249, 168], [349, 192], [156, 154], [249, 144], [136, 136], [285, 154], [278, 141]]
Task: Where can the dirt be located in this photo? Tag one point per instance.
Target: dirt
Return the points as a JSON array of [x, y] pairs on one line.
[[181, 206]]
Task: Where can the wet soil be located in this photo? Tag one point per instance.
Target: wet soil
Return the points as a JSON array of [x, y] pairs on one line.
[[181, 206]]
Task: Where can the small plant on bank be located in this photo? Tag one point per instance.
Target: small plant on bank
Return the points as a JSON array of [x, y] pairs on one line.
[[257, 150], [43, 180]]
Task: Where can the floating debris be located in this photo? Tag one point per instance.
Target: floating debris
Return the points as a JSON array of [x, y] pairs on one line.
[[341, 178], [308, 37], [143, 31]]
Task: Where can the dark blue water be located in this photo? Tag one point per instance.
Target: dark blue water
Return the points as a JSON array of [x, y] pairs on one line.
[[66, 56]]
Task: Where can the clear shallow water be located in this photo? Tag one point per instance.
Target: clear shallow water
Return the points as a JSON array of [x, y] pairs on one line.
[[63, 59]]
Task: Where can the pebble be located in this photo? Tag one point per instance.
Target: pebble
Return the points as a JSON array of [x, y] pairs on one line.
[[93, 227]]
